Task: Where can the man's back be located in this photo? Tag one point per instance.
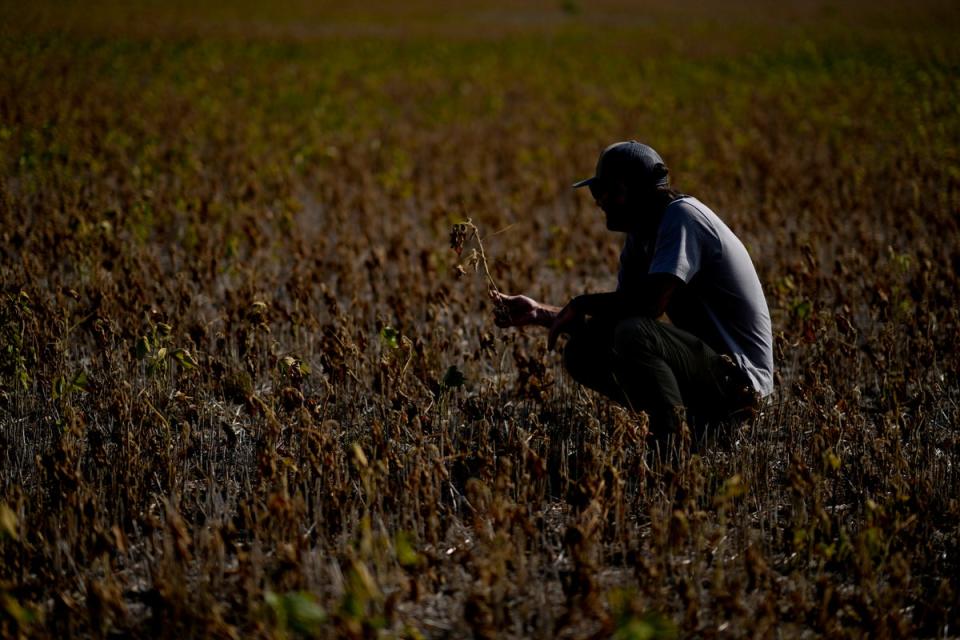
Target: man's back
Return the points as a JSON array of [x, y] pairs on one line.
[[723, 302]]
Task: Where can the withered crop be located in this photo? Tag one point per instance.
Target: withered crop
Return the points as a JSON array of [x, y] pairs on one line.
[[243, 394]]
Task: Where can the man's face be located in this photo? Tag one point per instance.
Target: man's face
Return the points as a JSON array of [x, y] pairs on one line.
[[611, 196]]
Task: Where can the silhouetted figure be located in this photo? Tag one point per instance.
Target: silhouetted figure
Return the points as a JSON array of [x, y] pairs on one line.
[[714, 357]]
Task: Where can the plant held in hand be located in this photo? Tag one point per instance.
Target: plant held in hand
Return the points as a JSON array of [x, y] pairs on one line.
[[460, 234]]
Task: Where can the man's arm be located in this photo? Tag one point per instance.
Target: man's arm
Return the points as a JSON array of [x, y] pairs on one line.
[[651, 301], [521, 311]]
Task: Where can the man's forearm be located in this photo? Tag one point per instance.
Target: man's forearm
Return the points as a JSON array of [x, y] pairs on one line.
[[610, 305], [651, 301], [545, 315]]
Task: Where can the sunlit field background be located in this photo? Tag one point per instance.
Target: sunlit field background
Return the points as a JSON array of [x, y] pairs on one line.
[[243, 392]]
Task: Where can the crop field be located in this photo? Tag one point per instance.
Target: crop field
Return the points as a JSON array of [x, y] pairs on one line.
[[248, 390]]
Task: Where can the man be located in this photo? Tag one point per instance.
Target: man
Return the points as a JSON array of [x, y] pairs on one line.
[[714, 358]]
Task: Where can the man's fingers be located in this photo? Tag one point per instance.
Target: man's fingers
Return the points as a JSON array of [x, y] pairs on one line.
[[565, 318], [503, 315], [558, 325], [512, 311]]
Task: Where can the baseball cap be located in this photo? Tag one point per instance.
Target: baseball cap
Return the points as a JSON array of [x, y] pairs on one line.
[[631, 160]]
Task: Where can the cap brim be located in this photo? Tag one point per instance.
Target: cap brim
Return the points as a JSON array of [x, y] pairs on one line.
[[584, 183]]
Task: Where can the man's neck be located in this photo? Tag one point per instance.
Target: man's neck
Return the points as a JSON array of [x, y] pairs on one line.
[[648, 223]]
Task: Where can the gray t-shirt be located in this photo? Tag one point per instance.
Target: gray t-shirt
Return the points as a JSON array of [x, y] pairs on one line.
[[722, 302]]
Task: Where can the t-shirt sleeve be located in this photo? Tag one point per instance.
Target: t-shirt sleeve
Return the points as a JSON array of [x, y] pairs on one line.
[[679, 246]]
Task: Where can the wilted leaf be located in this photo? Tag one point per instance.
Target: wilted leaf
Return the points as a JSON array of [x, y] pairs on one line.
[[453, 378], [458, 235], [8, 522], [363, 579], [15, 610], [831, 460], [359, 456], [733, 487]]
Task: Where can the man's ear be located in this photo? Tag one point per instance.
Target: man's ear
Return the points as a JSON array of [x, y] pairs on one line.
[[632, 193], [621, 188]]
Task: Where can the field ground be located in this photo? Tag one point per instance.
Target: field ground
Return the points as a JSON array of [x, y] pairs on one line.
[[243, 394]]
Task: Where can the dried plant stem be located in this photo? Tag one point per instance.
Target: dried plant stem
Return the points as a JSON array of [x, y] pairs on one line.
[[483, 258], [460, 234]]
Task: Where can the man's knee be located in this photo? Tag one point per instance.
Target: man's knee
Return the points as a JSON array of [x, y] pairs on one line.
[[639, 335], [589, 361], [577, 358]]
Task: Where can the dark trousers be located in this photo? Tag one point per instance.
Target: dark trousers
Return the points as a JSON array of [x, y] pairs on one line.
[[647, 365]]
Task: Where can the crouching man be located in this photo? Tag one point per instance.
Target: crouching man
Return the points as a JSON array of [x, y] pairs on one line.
[[714, 357]]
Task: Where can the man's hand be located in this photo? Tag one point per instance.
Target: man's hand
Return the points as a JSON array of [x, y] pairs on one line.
[[520, 311], [565, 320], [514, 311]]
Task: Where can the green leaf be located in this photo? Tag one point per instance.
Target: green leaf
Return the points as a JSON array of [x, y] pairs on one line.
[[407, 555], [297, 611], [289, 364], [185, 358], [390, 337], [802, 309], [79, 382], [143, 347], [63, 386], [24, 302], [635, 630], [303, 614]]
